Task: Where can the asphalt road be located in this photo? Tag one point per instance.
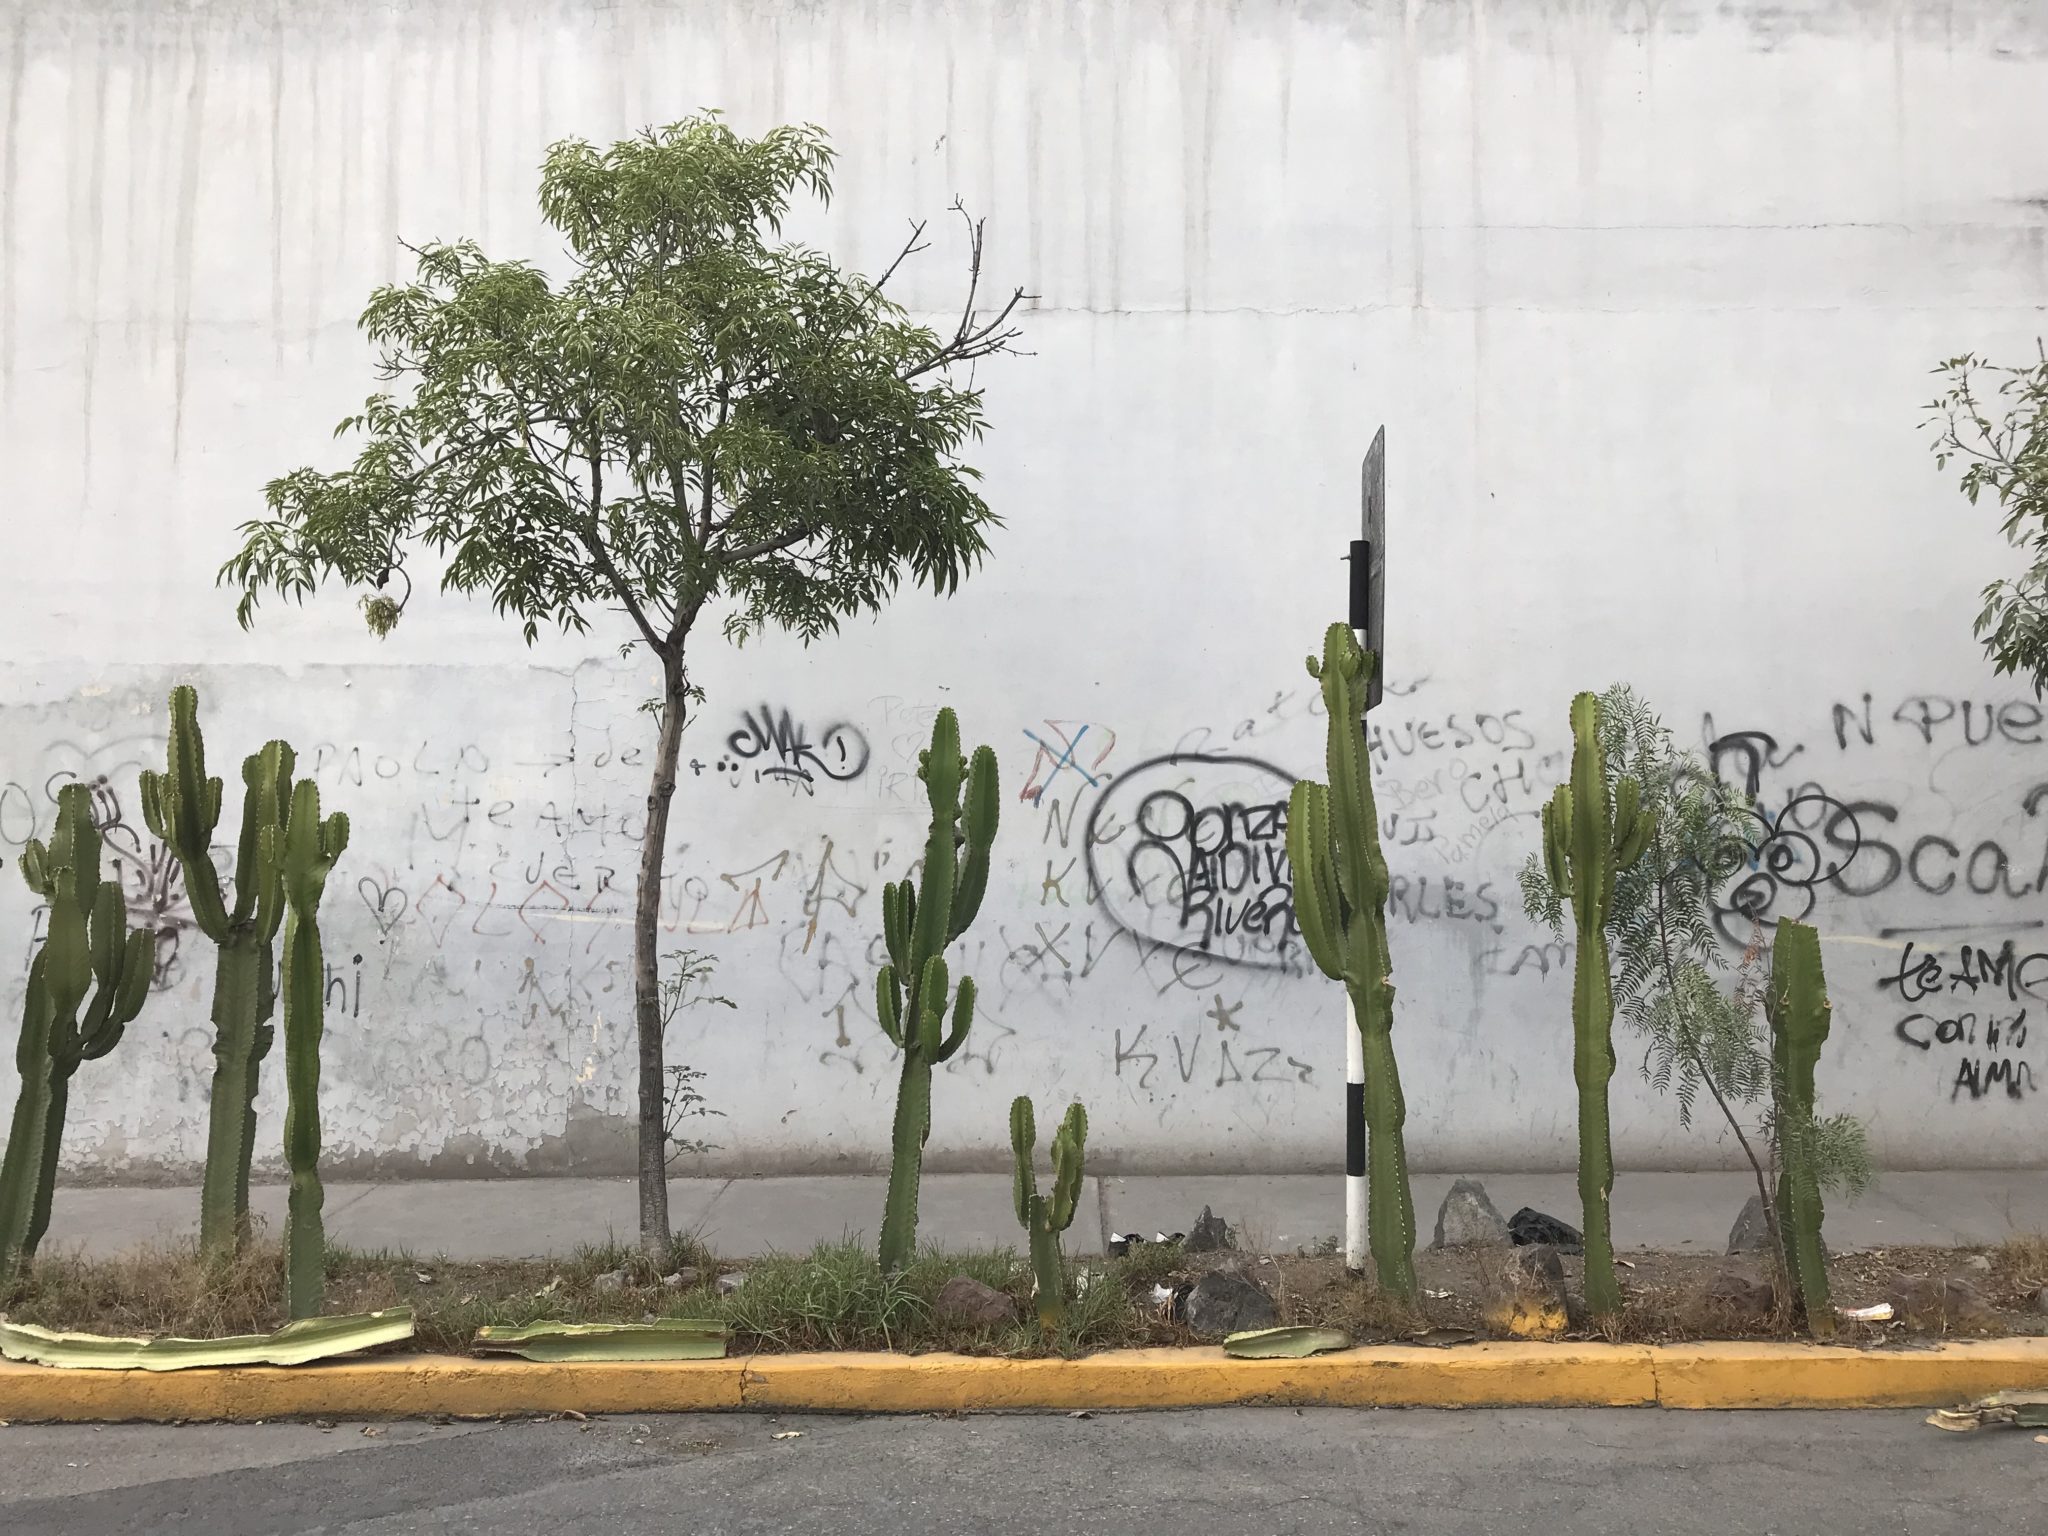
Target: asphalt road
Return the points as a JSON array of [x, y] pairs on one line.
[[1256, 1471]]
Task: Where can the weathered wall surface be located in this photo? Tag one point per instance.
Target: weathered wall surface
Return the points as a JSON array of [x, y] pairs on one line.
[[1646, 296]]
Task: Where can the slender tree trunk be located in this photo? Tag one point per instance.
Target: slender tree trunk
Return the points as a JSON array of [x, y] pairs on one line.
[[654, 1227]]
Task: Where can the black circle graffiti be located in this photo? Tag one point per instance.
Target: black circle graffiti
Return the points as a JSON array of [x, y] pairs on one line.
[[1777, 871]]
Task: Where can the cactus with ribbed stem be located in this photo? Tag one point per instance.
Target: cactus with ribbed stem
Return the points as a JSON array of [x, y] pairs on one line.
[[1796, 1003], [182, 807], [1340, 906], [911, 989], [310, 848], [85, 984], [1586, 842], [1045, 1217]]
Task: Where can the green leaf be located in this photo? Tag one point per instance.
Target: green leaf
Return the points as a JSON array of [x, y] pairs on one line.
[[309, 1339], [669, 1339], [1285, 1343]]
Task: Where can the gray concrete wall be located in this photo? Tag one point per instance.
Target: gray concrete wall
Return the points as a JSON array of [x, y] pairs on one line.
[[1645, 295]]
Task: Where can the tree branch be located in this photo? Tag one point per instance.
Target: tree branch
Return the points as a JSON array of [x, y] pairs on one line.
[[594, 542], [970, 341]]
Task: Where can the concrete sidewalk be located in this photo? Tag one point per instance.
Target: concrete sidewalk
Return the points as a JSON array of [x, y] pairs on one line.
[[505, 1218]]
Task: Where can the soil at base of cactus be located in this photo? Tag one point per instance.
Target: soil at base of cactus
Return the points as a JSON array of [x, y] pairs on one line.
[[837, 1298]]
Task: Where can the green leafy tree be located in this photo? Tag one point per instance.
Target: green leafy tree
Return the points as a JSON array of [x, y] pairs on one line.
[[1670, 965], [698, 418], [1992, 420]]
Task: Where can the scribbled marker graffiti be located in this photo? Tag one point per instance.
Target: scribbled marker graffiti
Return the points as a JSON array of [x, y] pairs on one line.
[[1201, 866], [1053, 760]]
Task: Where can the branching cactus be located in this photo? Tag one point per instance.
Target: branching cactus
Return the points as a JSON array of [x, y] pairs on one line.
[[1340, 905], [1586, 842], [1046, 1217], [182, 807], [912, 989], [310, 848], [85, 984], [1796, 1003]]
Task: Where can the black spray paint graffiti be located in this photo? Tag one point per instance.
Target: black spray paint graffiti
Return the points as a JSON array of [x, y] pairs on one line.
[[1205, 867], [1984, 1040], [774, 749]]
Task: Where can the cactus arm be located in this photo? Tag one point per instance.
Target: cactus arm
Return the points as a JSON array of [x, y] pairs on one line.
[[906, 1163], [982, 810], [1317, 909], [897, 906], [889, 1005], [1557, 823], [1023, 1137], [1069, 1145], [21, 1169], [35, 867], [186, 807], [963, 1019]]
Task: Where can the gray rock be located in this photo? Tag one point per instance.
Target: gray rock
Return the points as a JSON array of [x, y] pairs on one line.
[[1467, 1219], [2041, 1299], [1938, 1305], [1978, 1264], [964, 1299], [1526, 1299], [1739, 1296], [1527, 1227], [610, 1280], [1752, 1230], [682, 1279], [727, 1284], [1211, 1234], [1225, 1302]]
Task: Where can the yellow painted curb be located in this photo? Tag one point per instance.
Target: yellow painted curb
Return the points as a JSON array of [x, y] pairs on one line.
[[1470, 1376]]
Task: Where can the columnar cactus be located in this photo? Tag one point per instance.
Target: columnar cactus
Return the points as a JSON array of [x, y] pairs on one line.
[[310, 848], [182, 807], [90, 962], [1586, 842], [918, 924], [1796, 1003], [1340, 905], [1046, 1217]]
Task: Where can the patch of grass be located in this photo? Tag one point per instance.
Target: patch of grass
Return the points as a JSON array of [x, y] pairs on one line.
[[2020, 1264], [153, 1289]]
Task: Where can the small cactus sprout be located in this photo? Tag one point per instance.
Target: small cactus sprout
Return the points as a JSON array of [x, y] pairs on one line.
[[911, 990], [1796, 1003], [85, 985], [182, 807], [1586, 842], [311, 846], [1340, 905], [1045, 1217]]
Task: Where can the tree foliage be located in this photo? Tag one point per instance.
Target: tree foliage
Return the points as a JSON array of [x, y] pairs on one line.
[[1992, 420], [696, 411]]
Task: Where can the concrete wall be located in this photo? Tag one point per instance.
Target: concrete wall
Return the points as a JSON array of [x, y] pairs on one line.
[[1646, 296]]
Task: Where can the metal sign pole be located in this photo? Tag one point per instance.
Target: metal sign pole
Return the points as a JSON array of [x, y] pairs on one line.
[[1368, 559]]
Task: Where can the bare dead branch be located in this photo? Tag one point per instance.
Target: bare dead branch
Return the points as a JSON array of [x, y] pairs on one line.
[[911, 247]]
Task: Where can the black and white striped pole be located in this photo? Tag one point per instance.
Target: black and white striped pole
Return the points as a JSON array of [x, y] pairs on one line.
[[1368, 559]]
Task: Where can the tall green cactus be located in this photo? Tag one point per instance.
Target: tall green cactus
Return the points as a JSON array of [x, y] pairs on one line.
[[89, 961], [182, 807], [1340, 905], [1586, 842], [918, 924], [1045, 1218], [1796, 1003], [310, 848]]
